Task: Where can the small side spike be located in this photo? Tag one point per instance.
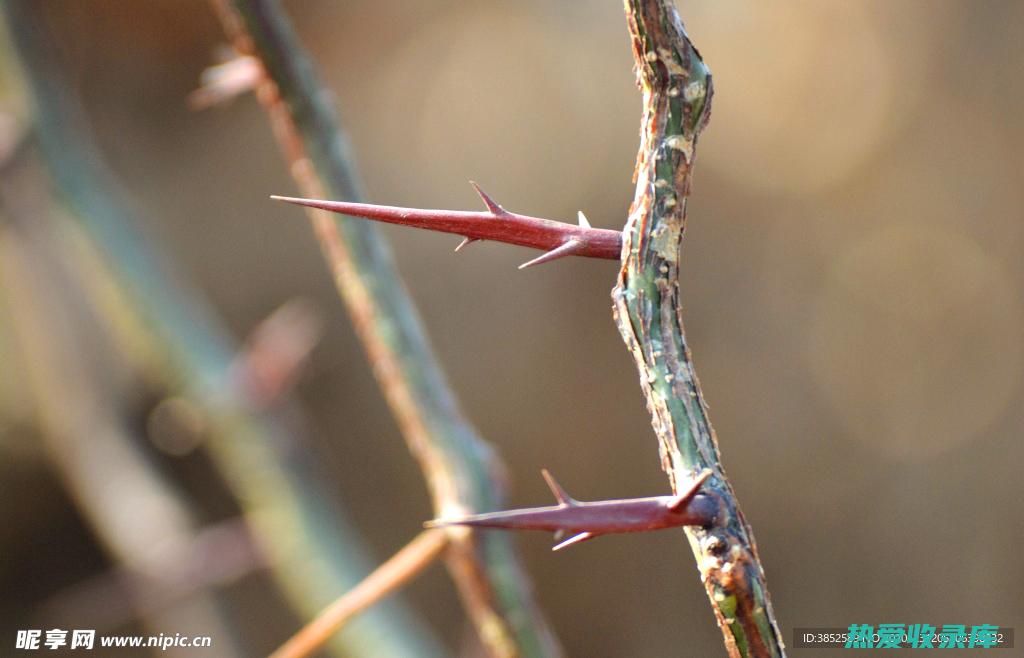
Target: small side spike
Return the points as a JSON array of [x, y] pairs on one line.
[[691, 491], [561, 496], [570, 247], [584, 222], [491, 204], [575, 539], [465, 242]]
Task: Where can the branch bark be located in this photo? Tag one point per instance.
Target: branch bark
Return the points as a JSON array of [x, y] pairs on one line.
[[460, 468], [677, 90]]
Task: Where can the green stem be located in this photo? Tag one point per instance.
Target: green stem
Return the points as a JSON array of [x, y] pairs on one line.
[[677, 90], [460, 468], [314, 553]]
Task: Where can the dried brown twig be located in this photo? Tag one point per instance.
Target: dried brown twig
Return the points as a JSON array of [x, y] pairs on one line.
[[399, 569]]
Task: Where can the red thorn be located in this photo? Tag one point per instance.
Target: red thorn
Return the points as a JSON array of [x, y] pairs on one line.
[[491, 204], [496, 224], [691, 491], [596, 518], [571, 247], [465, 242]]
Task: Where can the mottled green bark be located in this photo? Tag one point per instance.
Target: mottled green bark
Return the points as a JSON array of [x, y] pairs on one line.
[[677, 90]]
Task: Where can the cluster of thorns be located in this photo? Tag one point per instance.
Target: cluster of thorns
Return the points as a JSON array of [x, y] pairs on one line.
[[571, 520]]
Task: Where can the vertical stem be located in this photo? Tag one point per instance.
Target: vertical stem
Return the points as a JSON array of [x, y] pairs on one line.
[[677, 90], [460, 468]]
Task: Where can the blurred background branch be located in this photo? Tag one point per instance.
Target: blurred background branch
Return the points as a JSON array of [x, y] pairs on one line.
[[311, 549], [461, 470], [79, 388]]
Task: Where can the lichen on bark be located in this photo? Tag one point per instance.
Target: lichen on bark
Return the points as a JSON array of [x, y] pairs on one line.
[[677, 91]]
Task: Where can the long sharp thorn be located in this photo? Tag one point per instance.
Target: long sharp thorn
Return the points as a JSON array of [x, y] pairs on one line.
[[691, 491], [491, 204], [569, 248], [510, 228], [575, 539], [466, 241], [584, 222], [560, 495]]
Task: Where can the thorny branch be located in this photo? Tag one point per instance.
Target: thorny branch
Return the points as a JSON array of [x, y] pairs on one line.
[[677, 93], [677, 90], [460, 468]]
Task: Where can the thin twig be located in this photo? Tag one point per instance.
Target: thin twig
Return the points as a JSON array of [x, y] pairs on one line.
[[676, 87], [460, 468], [402, 567]]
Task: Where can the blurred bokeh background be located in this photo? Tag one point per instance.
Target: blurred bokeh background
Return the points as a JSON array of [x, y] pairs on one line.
[[853, 282]]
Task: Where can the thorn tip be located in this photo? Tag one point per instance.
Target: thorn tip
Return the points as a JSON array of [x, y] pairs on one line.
[[568, 248], [465, 242], [491, 204], [560, 495], [682, 499], [575, 539]]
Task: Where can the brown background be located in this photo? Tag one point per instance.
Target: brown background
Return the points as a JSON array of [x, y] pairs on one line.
[[852, 275]]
